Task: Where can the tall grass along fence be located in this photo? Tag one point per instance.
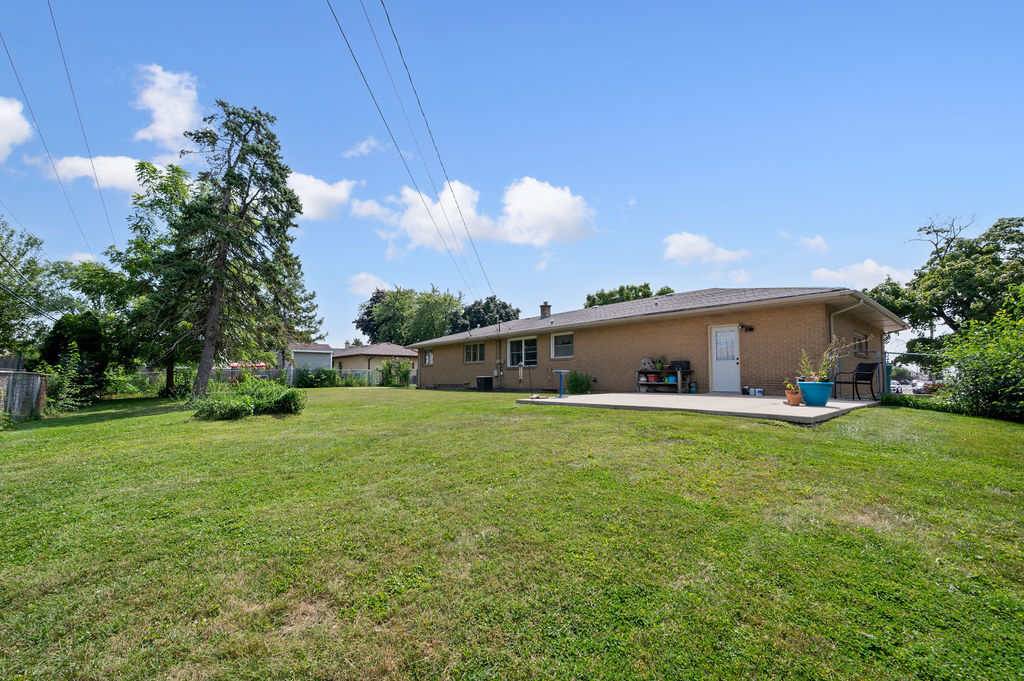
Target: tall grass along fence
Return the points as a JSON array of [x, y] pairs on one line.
[[152, 382], [22, 394]]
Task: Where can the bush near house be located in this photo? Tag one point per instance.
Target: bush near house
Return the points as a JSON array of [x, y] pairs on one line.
[[577, 383], [250, 396]]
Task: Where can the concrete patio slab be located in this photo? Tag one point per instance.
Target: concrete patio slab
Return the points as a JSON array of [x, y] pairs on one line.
[[774, 408]]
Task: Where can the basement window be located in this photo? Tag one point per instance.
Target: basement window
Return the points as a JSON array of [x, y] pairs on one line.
[[561, 346], [474, 353], [522, 350]]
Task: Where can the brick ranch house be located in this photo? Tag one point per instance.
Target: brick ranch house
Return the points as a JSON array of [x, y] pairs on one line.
[[732, 337]]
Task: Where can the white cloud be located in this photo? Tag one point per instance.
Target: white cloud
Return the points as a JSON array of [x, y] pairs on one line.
[[368, 145], [632, 202], [544, 260], [783, 234], [172, 100], [538, 213], [739, 276], [320, 200], [860, 275], [814, 243], [371, 209], [364, 283], [79, 258], [117, 172], [685, 247], [14, 127], [535, 213]]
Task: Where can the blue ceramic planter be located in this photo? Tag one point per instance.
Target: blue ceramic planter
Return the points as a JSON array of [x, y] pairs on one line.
[[815, 394]]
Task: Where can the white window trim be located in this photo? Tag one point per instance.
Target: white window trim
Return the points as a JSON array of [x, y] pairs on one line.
[[428, 358], [564, 333], [508, 350]]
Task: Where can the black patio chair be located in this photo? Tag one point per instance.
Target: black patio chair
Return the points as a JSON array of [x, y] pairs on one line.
[[864, 373]]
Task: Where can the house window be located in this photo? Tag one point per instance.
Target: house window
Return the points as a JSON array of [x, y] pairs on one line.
[[561, 346], [474, 352], [522, 350], [428, 358], [860, 345]]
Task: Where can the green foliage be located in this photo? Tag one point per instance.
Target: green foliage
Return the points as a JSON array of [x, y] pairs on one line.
[[921, 402], [577, 383], [353, 381], [988, 363], [366, 322], [395, 372], [321, 378], [20, 325], [250, 396], [182, 388], [64, 387], [484, 312], [821, 369], [432, 315], [899, 373], [235, 237], [6, 422], [965, 279], [120, 382], [87, 333], [624, 293]]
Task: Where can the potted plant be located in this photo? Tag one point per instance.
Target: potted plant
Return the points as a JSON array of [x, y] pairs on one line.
[[793, 393], [814, 380], [659, 362]]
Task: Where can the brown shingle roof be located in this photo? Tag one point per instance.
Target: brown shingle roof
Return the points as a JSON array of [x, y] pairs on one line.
[[375, 349], [674, 302], [308, 346]]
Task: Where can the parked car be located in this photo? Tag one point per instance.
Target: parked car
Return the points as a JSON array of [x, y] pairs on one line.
[[918, 387], [894, 387]]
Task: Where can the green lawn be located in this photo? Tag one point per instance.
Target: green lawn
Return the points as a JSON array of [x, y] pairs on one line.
[[414, 534]]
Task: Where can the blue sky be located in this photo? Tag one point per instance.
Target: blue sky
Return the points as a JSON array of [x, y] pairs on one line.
[[591, 144]]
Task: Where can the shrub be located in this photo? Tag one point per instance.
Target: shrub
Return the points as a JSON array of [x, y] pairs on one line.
[[578, 384], [988, 364], [250, 396], [64, 390], [353, 381], [183, 380], [321, 378], [395, 372], [921, 402], [120, 382]]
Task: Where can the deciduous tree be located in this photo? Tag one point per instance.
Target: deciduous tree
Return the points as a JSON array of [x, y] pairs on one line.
[[624, 293]]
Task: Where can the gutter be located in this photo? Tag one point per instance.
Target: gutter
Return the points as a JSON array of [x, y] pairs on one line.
[[832, 318]]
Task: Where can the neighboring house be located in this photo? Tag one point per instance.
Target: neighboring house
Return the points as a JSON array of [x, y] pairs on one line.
[[366, 357], [310, 356], [731, 337]]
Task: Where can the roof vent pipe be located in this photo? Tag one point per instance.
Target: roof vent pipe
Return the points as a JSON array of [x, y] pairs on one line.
[[545, 310]]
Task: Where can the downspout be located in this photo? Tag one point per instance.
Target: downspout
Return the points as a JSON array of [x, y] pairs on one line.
[[832, 329]]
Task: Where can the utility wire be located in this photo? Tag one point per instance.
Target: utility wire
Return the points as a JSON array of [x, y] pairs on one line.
[[436, 150], [415, 140], [78, 111], [15, 268], [27, 303], [39, 130], [412, 178]]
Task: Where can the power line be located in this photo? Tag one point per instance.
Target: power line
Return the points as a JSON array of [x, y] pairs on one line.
[[45, 147], [15, 268], [27, 303], [415, 140], [78, 111], [394, 141], [436, 150]]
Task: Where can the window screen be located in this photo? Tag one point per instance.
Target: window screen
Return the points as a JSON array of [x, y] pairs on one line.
[[562, 346], [523, 350]]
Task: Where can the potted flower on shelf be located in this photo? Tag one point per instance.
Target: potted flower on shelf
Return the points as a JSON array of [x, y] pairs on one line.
[[793, 393], [814, 380]]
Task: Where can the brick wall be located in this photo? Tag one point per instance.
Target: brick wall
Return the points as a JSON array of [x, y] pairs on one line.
[[846, 327], [768, 355]]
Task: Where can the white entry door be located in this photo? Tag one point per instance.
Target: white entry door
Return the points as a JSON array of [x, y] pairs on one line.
[[725, 359]]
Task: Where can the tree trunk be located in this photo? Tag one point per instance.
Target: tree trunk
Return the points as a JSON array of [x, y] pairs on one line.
[[211, 332], [169, 384]]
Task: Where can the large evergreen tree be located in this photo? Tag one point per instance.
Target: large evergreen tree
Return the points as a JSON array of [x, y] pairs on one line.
[[237, 233]]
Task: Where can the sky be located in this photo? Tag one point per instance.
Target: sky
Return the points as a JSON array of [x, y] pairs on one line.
[[588, 144]]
